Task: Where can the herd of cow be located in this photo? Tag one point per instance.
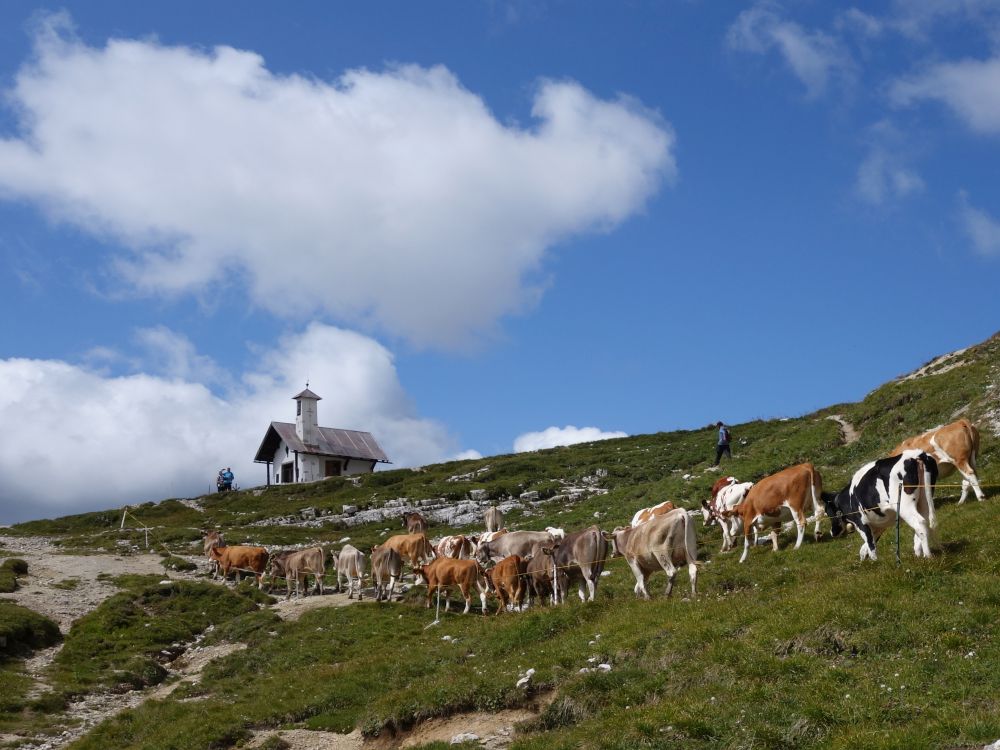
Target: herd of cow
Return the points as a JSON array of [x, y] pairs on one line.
[[514, 565]]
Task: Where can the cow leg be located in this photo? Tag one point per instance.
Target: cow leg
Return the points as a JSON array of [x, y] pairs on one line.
[[693, 575], [746, 546], [392, 587], [727, 539], [467, 595], [921, 530], [774, 539], [319, 582], [799, 517], [868, 545], [969, 479], [640, 579], [361, 583]]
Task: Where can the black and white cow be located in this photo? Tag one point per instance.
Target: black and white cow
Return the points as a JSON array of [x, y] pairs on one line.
[[877, 489]]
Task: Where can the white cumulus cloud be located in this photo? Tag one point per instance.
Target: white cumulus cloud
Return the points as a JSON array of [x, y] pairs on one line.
[[80, 439], [552, 437], [391, 199], [970, 88], [814, 57]]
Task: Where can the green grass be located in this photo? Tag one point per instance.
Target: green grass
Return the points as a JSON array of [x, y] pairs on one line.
[[10, 569], [805, 648], [22, 630], [115, 646]]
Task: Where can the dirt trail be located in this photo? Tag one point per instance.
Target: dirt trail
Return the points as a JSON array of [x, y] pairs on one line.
[[493, 731], [846, 428], [48, 566]]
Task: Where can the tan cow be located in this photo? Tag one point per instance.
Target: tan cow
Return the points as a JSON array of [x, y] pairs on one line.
[[645, 514], [387, 565], [351, 565], [242, 560], [295, 565], [662, 543], [493, 518], [443, 573], [790, 489], [212, 539], [953, 446], [507, 578], [414, 523], [414, 549]]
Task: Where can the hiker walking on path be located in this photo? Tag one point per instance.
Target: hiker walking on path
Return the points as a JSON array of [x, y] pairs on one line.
[[723, 445]]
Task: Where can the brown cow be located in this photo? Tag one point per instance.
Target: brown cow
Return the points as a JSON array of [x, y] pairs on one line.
[[414, 523], [443, 573], [641, 516], [665, 542], [241, 559], [387, 565], [789, 489], [953, 446], [507, 579], [212, 539], [414, 549], [294, 565]]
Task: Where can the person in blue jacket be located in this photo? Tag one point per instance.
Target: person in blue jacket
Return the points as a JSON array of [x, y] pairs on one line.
[[723, 444], [226, 476]]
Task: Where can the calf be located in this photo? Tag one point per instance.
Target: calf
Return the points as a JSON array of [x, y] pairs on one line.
[[582, 555], [493, 518], [387, 565], [789, 489], [664, 542], [641, 516], [241, 559], [296, 565], [953, 446], [443, 573], [351, 565], [414, 523], [212, 539], [507, 579], [877, 489]]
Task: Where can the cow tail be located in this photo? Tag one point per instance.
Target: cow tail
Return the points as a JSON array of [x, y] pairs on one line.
[[815, 480], [928, 482], [690, 542]]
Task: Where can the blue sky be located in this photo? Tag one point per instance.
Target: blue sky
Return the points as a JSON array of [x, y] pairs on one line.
[[473, 226]]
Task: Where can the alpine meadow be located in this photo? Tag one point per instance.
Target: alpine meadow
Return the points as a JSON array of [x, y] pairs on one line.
[[792, 649]]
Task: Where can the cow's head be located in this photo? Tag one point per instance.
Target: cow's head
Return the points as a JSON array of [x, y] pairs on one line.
[[706, 512], [483, 553], [834, 511]]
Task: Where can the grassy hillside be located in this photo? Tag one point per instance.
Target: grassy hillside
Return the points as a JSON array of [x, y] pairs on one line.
[[804, 648]]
